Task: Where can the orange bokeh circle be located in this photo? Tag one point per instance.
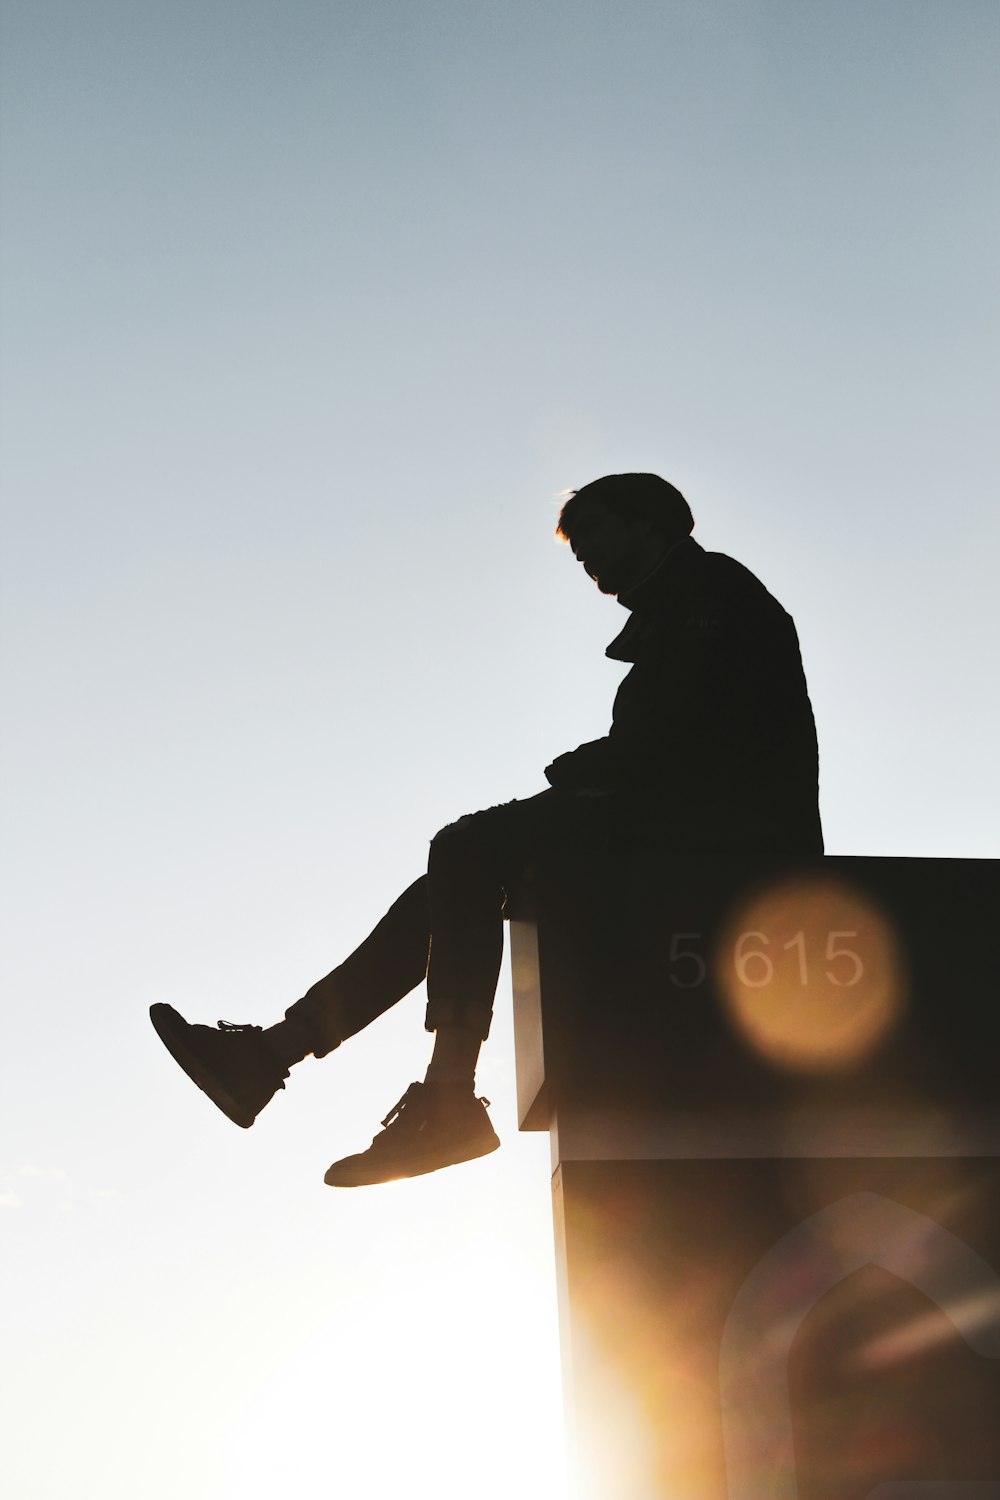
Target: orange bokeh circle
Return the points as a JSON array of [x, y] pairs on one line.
[[812, 974]]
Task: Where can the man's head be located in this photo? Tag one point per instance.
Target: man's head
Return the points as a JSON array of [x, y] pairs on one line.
[[620, 526]]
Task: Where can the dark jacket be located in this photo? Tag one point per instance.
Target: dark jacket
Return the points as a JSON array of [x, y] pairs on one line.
[[712, 729]]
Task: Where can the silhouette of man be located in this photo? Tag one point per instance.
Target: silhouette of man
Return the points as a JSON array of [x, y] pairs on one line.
[[712, 748]]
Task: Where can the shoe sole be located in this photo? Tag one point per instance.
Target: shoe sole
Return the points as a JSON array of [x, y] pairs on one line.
[[171, 1027], [418, 1167]]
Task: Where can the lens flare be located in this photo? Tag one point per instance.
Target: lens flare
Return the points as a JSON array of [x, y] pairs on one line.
[[812, 974]]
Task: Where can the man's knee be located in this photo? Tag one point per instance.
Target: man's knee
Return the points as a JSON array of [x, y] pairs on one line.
[[472, 847], [465, 833], [453, 850]]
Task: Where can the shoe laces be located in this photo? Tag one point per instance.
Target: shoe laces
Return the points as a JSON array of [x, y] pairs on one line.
[[400, 1104], [237, 1026], [415, 1090]]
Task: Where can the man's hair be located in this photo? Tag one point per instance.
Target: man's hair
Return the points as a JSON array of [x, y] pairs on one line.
[[645, 497]]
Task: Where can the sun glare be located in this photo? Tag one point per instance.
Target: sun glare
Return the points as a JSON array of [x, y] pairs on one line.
[[440, 1379]]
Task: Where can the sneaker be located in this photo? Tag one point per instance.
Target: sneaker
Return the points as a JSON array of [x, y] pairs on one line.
[[433, 1125], [232, 1064]]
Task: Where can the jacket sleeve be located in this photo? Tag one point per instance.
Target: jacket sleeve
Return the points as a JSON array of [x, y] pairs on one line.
[[675, 705], [670, 715]]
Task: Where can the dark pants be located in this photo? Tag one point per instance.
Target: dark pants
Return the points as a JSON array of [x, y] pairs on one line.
[[448, 925]]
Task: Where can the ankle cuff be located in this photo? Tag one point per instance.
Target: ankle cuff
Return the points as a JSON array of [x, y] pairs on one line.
[[294, 1038]]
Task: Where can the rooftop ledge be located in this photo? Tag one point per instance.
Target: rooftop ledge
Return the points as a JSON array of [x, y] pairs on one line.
[[680, 1006]]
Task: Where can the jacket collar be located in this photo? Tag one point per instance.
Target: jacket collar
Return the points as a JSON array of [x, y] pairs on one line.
[[647, 596]]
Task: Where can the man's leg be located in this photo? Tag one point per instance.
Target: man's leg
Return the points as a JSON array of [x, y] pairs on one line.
[[468, 864], [440, 1121], [390, 963], [461, 899], [241, 1068], [448, 925]]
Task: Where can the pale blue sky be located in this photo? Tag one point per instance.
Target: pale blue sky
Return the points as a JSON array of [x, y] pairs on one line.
[[310, 310]]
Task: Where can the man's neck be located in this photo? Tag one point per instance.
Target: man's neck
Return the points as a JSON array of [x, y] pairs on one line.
[[627, 594]]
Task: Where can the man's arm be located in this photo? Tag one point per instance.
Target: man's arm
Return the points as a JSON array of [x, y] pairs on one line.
[[669, 712]]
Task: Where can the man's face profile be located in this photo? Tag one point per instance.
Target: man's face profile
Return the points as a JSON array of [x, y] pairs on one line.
[[615, 550]]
